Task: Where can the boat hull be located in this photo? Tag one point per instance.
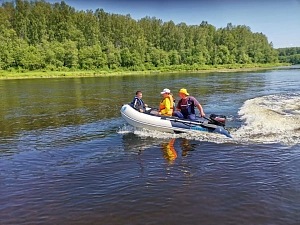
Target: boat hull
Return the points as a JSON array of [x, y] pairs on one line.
[[168, 124]]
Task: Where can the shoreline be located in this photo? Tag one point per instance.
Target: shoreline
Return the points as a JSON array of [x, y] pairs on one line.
[[7, 75]]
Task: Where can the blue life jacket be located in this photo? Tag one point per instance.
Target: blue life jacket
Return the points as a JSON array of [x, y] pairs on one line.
[[141, 103], [188, 109]]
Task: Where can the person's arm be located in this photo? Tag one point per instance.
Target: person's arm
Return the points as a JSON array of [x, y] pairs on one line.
[[199, 106], [139, 106], [134, 103], [143, 106]]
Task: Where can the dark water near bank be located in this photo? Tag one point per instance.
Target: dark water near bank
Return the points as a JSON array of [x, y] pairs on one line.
[[67, 156]]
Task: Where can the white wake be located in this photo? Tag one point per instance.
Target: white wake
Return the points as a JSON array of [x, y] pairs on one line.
[[270, 119]]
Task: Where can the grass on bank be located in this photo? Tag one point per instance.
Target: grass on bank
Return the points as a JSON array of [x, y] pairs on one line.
[[66, 72]]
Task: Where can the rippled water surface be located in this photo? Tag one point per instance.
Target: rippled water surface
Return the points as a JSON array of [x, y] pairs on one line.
[[67, 156]]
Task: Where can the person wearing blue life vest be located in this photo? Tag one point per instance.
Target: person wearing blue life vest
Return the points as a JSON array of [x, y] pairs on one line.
[[186, 106], [138, 103]]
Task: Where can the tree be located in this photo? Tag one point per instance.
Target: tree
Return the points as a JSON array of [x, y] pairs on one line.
[[126, 58], [37, 35], [7, 36], [31, 58], [113, 57], [174, 57], [71, 54], [289, 55]]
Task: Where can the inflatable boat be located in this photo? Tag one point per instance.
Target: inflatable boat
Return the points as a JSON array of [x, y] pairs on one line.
[[152, 121]]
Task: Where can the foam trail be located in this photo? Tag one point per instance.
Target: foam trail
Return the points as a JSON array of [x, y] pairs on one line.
[[199, 136], [271, 119]]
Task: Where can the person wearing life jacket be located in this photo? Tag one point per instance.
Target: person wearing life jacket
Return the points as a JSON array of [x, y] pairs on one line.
[[186, 106], [166, 106], [138, 103]]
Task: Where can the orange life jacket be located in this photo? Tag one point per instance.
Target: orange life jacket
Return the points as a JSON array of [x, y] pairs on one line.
[[161, 106]]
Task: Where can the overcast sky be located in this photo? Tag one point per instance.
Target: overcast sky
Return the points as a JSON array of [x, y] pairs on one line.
[[279, 20]]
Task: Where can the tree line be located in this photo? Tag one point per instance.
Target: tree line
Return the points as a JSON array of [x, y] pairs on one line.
[[289, 55], [38, 35]]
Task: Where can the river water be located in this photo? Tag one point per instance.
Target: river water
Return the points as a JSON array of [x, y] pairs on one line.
[[67, 156]]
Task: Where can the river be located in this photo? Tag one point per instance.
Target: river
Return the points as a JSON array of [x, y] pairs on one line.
[[67, 156]]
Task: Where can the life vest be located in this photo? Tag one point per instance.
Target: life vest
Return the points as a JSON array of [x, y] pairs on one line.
[[140, 103], [188, 108], [162, 107]]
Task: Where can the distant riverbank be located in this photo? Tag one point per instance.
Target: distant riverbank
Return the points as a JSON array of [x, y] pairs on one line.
[[15, 74]]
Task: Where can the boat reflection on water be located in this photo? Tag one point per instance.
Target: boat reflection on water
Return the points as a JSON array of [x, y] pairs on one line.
[[186, 146], [169, 152], [170, 148]]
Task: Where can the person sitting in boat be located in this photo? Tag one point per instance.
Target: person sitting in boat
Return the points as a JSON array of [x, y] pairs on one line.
[[138, 103], [186, 106], [166, 106]]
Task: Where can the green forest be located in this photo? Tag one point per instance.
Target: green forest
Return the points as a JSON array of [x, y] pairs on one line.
[[289, 55], [36, 35]]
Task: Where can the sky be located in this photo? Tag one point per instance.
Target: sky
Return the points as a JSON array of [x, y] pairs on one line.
[[279, 20]]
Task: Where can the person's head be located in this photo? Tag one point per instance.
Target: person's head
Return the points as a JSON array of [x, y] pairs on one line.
[[165, 92], [139, 94], [183, 93]]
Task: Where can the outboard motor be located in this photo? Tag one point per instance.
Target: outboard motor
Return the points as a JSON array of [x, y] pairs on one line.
[[219, 120]]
